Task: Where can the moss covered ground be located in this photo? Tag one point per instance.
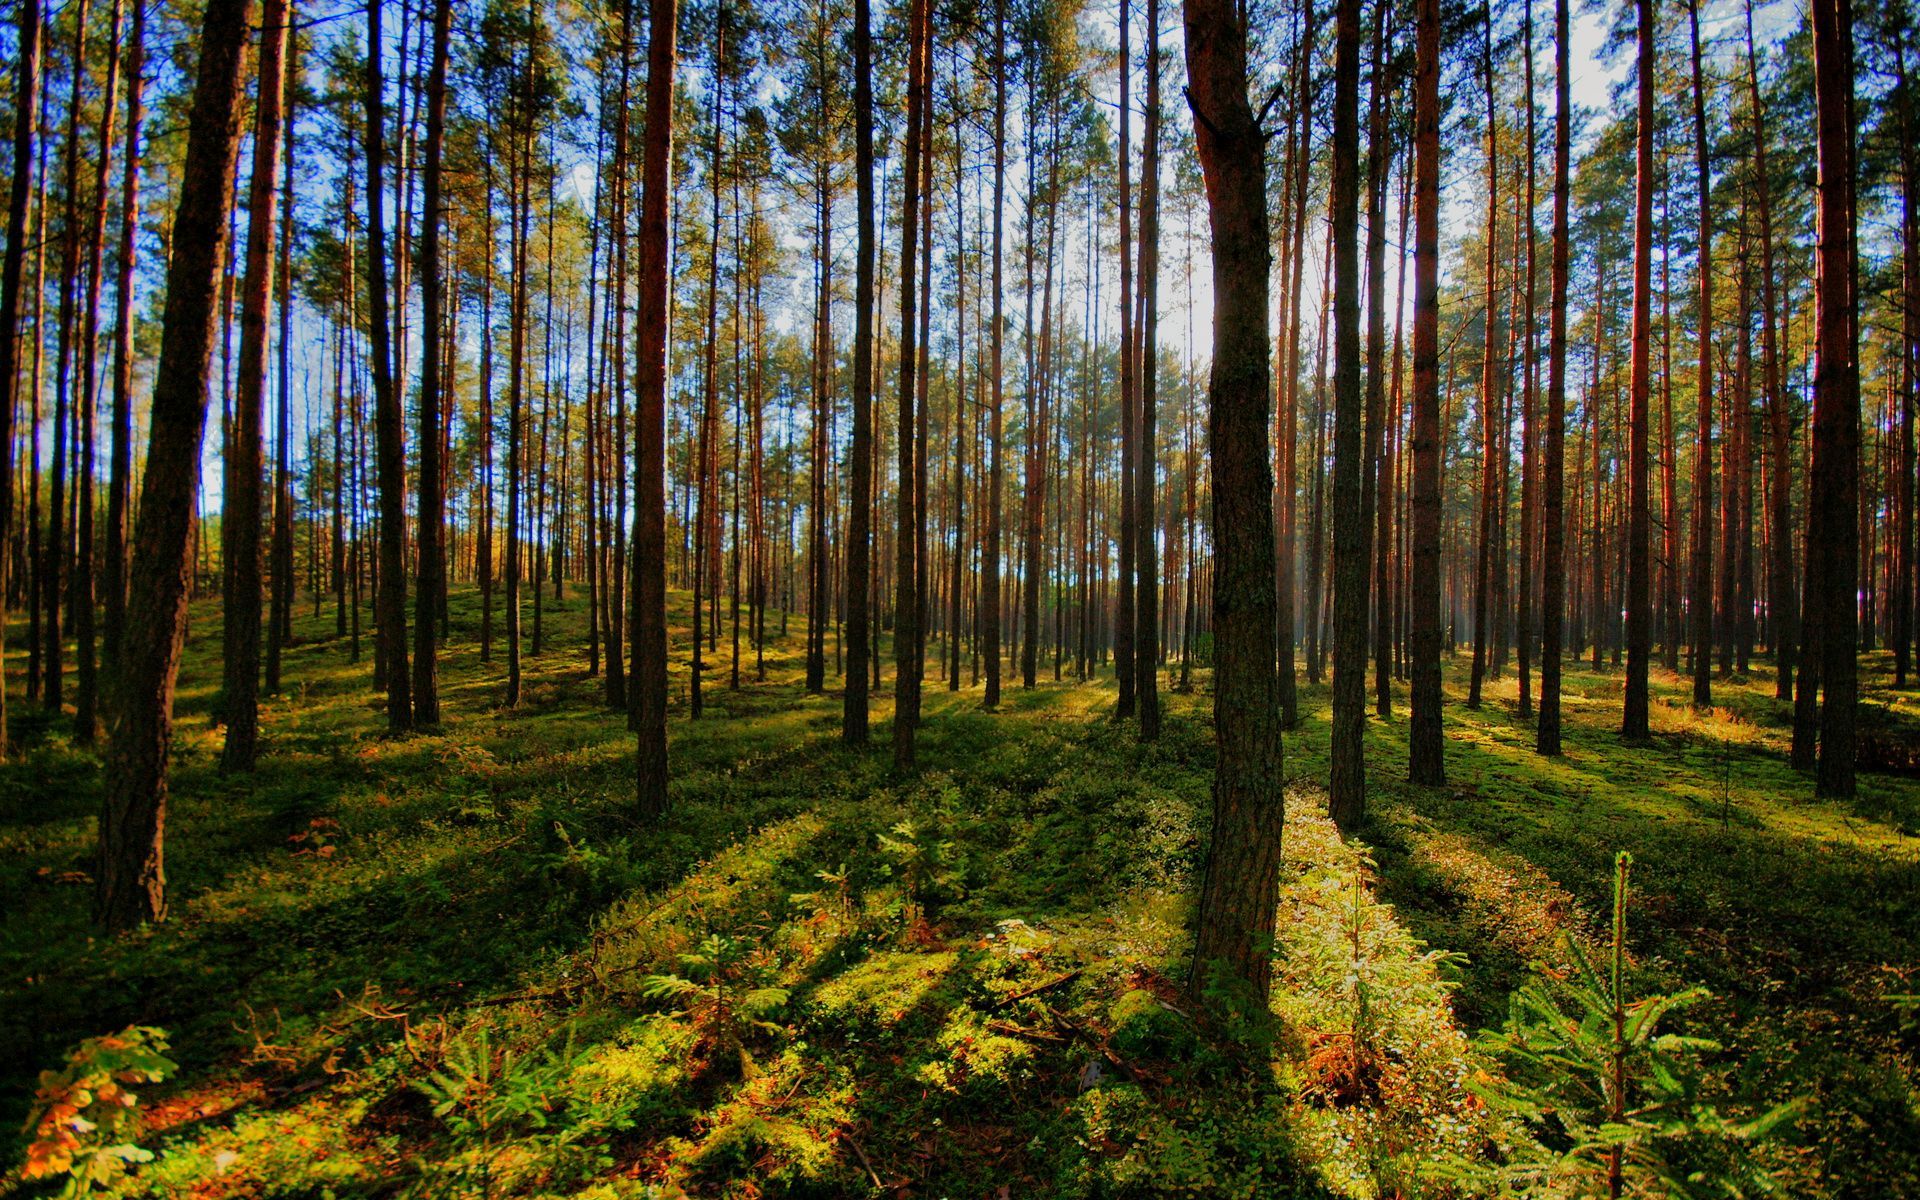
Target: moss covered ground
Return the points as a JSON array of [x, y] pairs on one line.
[[458, 964]]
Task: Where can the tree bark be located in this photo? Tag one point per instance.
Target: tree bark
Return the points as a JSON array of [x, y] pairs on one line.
[[132, 874], [1426, 762], [240, 502], [1347, 791], [860, 499], [26, 107], [390, 448], [430, 538], [1234, 929], [1633, 721]]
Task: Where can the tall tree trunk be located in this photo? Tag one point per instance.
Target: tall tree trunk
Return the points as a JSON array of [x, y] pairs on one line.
[[390, 448], [26, 107], [132, 874], [430, 538], [1529, 416], [1783, 620], [240, 502], [906, 610], [1492, 375], [1426, 762], [1125, 661], [860, 500], [280, 568], [990, 602], [1833, 486], [1146, 561], [1633, 723], [649, 590], [1347, 791], [1234, 925], [1700, 601]]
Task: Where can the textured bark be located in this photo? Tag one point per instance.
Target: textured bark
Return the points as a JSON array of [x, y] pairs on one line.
[[1553, 457], [1234, 930], [240, 500], [1783, 614], [280, 568], [1124, 659], [1347, 792], [1529, 404], [430, 539], [906, 607], [1833, 485], [649, 588], [132, 874], [1492, 375], [1633, 721], [1146, 560], [389, 445], [26, 105], [1425, 756], [1700, 585], [860, 500]]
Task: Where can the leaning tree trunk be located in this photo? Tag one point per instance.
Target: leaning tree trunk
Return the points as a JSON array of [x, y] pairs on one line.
[[1234, 927], [132, 875], [240, 505]]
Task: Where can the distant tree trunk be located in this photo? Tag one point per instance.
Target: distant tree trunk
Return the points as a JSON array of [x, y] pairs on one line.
[[86, 706], [390, 447], [1783, 622], [1146, 561], [1529, 416], [1125, 598], [1903, 556], [132, 875], [430, 539], [1633, 723], [819, 605], [1492, 374], [1426, 762], [990, 602], [1347, 791], [649, 589], [1234, 925], [280, 569], [906, 613], [26, 106], [860, 501], [1700, 601], [1833, 485], [240, 501]]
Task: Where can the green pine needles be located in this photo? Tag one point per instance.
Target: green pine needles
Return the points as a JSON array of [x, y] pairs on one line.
[[1609, 1105]]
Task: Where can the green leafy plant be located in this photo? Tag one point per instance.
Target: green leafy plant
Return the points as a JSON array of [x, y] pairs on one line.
[[930, 868], [492, 1095], [1613, 1104], [84, 1119], [723, 995]]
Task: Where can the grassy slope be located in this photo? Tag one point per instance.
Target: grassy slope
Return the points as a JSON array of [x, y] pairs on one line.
[[363, 913]]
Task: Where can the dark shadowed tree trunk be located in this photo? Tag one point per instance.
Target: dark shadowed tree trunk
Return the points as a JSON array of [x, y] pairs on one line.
[[132, 875], [1146, 560], [1833, 485], [430, 538], [389, 447], [1347, 792], [1633, 721], [1234, 926], [860, 502], [26, 106], [907, 608]]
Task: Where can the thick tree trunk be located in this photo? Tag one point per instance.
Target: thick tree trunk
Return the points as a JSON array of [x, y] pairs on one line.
[[240, 501], [1833, 485], [132, 874], [1234, 927], [1347, 791], [649, 589]]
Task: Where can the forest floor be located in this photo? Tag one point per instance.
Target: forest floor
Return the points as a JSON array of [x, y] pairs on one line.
[[457, 964]]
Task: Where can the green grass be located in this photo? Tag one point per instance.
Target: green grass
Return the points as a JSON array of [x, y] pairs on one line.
[[363, 916]]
